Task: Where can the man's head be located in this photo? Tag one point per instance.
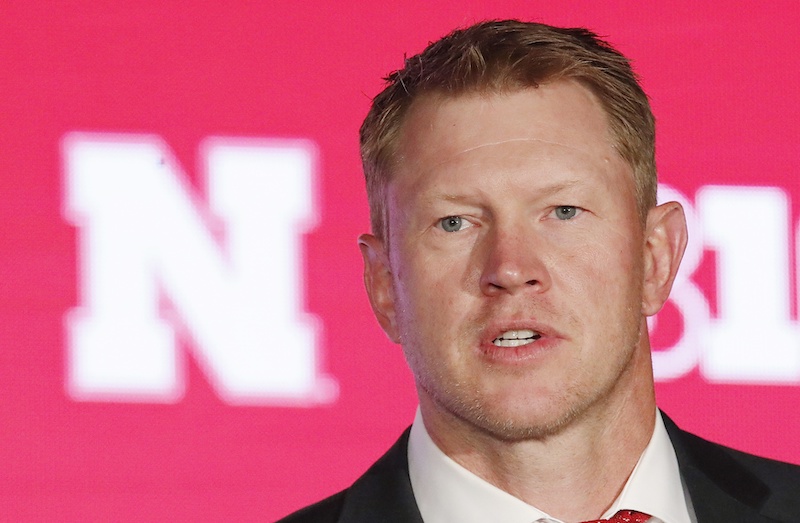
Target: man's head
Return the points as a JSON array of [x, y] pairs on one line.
[[504, 56], [517, 248]]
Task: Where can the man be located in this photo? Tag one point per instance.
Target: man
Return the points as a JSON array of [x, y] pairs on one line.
[[517, 250]]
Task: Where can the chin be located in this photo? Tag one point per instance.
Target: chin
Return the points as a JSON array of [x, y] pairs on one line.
[[517, 422], [520, 428]]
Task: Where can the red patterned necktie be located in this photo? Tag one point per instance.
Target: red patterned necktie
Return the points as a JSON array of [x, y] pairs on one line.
[[624, 516]]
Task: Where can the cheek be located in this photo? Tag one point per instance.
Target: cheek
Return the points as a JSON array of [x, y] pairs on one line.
[[432, 301], [601, 271], [429, 275], [419, 289]]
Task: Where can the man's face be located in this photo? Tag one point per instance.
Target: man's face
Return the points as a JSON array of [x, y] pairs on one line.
[[514, 259]]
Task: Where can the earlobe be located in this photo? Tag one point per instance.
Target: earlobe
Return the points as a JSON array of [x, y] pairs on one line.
[[378, 283], [665, 241]]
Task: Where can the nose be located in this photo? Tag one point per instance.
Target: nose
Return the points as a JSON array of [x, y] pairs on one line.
[[513, 263]]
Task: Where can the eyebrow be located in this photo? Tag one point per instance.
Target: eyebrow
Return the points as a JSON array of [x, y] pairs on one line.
[[560, 187]]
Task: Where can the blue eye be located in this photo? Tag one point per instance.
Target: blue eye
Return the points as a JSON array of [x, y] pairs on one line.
[[565, 212], [451, 223]]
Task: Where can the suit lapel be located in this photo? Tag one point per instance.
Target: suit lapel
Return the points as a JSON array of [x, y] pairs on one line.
[[384, 492], [721, 489]]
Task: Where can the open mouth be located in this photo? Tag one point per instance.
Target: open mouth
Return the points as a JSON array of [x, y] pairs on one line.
[[516, 338]]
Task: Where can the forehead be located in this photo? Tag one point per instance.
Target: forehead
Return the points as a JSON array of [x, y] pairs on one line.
[[564, 111], [559, 121]]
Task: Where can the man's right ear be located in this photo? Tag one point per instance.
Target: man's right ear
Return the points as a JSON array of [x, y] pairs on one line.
[[378, 282]]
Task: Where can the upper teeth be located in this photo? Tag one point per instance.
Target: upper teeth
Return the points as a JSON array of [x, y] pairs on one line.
[[516, 338]]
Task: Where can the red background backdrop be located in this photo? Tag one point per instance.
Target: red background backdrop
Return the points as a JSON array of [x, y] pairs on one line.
[[723, 82]]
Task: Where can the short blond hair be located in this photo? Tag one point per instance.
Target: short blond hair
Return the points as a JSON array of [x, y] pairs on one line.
[[502, 56]]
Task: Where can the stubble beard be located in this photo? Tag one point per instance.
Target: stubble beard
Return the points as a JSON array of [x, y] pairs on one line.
[[471, 407], [480, 416]]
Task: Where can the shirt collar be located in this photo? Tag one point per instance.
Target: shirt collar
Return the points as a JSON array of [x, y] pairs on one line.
[[445, 491], [655, 485]]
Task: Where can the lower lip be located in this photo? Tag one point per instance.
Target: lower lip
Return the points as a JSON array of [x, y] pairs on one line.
[[518, 355]]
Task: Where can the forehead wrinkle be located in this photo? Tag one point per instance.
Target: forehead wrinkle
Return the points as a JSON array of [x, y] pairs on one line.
[[542, 141], [520, 140]]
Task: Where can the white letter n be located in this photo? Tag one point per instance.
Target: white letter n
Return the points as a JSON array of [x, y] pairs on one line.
[[235, 289]]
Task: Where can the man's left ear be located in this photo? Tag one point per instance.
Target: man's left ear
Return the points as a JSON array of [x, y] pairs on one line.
[[665, 240]]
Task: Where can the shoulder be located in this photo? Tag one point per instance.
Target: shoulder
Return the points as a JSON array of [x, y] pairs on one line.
[[383, 493], [709, 456], [719, 475], [326, 511], [780, 478]]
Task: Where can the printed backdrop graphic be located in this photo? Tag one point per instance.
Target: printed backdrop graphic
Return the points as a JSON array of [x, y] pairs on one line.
[[184, 331]]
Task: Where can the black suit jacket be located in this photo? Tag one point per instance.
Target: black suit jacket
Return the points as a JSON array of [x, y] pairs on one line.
[[725, 485]]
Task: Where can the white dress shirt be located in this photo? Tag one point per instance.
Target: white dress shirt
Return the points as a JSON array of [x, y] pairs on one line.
[[446, 492]]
